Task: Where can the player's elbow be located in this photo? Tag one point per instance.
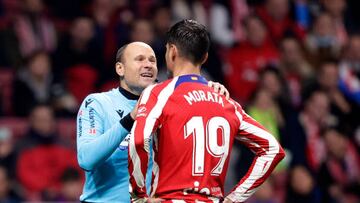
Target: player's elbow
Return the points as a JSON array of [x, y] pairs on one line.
[[275, 150], [280, 153], [86, 167], [85, 164]]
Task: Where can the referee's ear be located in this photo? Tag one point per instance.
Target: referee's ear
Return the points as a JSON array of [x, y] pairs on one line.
[[120, 69]]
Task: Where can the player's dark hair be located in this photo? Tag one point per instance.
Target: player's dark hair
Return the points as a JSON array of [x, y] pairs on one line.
[[191, 38], [120, 53]]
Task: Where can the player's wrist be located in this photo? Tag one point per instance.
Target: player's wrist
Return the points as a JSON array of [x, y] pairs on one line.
[[127, 122]]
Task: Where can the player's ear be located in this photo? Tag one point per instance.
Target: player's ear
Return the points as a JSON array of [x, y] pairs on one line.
[[120, 68], [173, 52], [205, 58]]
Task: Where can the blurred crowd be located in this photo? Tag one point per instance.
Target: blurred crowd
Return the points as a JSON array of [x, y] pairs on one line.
[[294, 65]]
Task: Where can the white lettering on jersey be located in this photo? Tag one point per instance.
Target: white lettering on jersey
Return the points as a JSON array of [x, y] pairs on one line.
[[199, 95]]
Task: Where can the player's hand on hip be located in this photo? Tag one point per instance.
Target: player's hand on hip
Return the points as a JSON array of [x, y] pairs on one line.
[[154, 200], [219, 88], [227, 200], [134, 111]]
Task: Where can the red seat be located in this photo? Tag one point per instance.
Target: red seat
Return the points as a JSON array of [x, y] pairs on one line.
[[81, 80]]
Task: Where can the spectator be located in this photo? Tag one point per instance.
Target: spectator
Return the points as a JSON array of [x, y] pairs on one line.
[[111, 22], [184, 9], [7, 194], [142, 30], [321, 41], [225, 21], [340, 19], [276, 16], [78, 48], [304, 130], [265, 193], [71, 185], [341, 107], [340, 173], [302, 186], [248, 59], [33, 29], [272, 81], [42, 158], [295, 68], [78, 58], [265, 110], [35, 84]]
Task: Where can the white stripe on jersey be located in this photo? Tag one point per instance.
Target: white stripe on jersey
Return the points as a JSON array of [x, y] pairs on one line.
[[146, 94], [242, 192], [157, 109], [138, 176]]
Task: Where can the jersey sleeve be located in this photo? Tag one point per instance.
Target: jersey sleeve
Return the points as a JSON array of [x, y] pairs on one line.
[[268, 153], [94, 144]]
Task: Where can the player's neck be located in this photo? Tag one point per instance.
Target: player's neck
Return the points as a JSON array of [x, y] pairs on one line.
[[133, 90], [183, 67]]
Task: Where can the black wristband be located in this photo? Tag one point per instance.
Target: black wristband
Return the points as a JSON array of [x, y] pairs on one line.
[[127, 122]]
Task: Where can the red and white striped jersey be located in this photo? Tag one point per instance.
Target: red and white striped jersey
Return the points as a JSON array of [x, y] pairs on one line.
[[193, 129]]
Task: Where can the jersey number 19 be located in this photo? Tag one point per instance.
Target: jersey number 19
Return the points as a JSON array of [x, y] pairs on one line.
[[208, 139]]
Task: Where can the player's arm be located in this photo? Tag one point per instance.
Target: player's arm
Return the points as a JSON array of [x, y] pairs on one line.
[[139, 146], [267, 151], [149, 111], [94, 145]]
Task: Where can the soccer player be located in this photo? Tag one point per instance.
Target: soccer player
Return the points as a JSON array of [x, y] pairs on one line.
[[195, 129], [104, 122]]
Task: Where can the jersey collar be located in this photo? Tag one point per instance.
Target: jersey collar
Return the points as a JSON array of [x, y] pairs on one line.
[[191, 78], [128, 94]]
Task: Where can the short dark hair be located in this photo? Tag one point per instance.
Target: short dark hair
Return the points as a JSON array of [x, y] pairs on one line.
[[191, 38], [120, 53]]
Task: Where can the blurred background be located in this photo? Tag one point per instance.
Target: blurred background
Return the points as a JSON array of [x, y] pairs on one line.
[[294, 65]]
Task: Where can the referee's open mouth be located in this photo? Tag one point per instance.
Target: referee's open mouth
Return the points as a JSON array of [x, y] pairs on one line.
[[147, 75]]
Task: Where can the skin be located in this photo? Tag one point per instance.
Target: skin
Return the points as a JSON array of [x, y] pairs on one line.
[[138, 68], [42, 119]]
